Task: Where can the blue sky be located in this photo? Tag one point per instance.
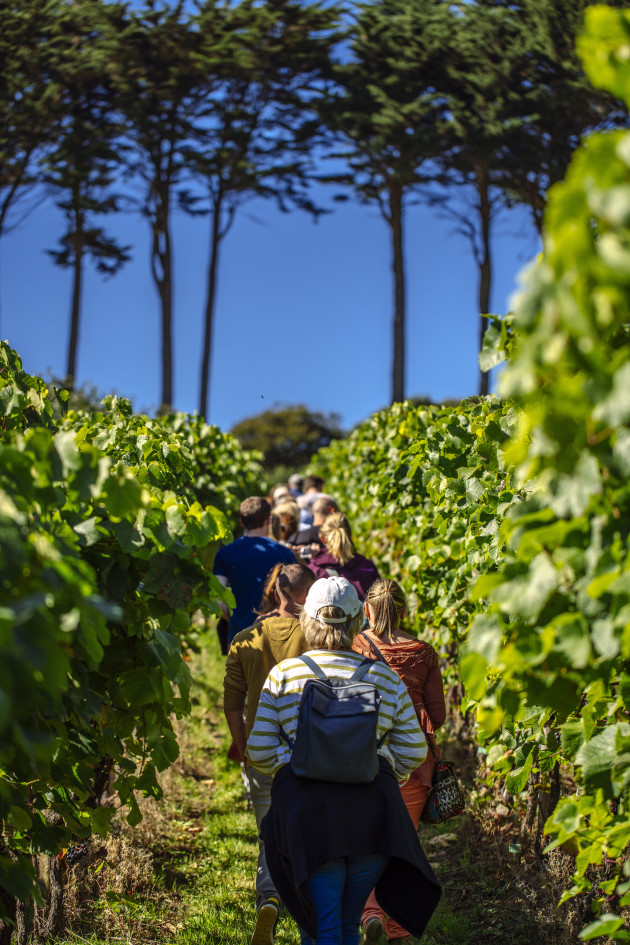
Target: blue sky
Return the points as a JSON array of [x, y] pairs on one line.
[[303, 312]]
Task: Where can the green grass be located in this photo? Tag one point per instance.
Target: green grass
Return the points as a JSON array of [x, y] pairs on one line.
[[218, 890], [446, 927], [200, 840]]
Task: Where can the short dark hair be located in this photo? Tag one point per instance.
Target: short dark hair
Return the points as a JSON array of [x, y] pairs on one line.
[[312, 482], [292, 579], [254, 512]]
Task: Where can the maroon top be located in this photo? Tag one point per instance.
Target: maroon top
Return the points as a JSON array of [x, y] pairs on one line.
[[417, 665], [360, 571]]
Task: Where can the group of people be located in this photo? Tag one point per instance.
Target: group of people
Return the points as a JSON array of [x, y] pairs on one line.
[[338, 856], [282, 529]]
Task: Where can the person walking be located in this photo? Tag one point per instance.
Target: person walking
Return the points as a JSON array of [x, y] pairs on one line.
[[295, 481], [280, 493], [305, 541], [311, 490], [244, 564], [252, 654], [285, 519], [328, 843], [338, 556], [416, 662]]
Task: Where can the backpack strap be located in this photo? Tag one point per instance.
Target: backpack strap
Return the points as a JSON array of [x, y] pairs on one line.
[[373, 647], [285, 737], [358, 674], [312, 665], [362, 669], [314, 668]]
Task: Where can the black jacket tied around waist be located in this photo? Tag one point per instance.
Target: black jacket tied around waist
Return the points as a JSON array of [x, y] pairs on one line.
[[310, 822]]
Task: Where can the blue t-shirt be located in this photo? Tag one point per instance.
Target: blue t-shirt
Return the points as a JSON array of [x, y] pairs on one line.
[[246, 563]]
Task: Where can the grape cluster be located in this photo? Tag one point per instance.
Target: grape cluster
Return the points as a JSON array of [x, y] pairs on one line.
[[75, 852]]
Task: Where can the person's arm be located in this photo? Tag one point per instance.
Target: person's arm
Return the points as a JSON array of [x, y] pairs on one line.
[[225, 610], [234, 692], [236, 725], [405, 746], [266, 749]]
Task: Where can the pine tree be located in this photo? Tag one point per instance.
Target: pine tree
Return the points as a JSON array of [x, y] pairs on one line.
[[518, 105], [482, 84], [559, 103], [254, 128], [28, 95], [84, 159], [389, 118], [159, 78]]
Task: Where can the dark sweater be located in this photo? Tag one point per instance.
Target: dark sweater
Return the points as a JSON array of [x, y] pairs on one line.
[[360, 571], [311, 822], [307, 536]]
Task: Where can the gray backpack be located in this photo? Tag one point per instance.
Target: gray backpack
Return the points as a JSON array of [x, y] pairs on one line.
[[336, 738]]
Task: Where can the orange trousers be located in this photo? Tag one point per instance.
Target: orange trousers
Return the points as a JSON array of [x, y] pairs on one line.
[[415, 797]]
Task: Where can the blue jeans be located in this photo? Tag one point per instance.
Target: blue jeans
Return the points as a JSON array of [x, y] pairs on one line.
[[340, 888]]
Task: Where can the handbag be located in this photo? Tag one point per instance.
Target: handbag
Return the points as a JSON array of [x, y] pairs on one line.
[[447, 798]]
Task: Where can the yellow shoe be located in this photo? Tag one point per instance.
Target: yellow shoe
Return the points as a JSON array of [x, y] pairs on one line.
[[266, 923]]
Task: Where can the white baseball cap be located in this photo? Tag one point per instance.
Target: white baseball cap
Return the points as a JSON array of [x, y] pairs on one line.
[[333, 591]]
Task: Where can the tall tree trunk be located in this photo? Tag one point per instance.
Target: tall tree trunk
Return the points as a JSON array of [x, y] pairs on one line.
[[161, 267], [75, 312], [485, 269], [398, 266], [215, 240]]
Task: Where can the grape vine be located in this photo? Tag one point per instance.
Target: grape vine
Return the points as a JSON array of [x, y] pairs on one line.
[[508, 521], [106, 542]]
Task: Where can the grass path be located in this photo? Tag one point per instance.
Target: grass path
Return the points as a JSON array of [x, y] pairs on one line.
[[186, 875]]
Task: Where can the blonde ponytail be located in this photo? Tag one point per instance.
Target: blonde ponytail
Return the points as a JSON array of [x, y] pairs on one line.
[[387, 605], [337, 537]]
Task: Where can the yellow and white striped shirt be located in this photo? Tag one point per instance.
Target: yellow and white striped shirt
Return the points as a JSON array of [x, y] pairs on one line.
[[404, 746]]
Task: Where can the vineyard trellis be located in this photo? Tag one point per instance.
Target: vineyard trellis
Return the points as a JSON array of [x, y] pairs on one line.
[[106, 540]]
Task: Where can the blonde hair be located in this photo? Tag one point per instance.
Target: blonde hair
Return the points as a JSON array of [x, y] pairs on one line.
[[320, 635], [387, 604], [277, 526], [337, 536]]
